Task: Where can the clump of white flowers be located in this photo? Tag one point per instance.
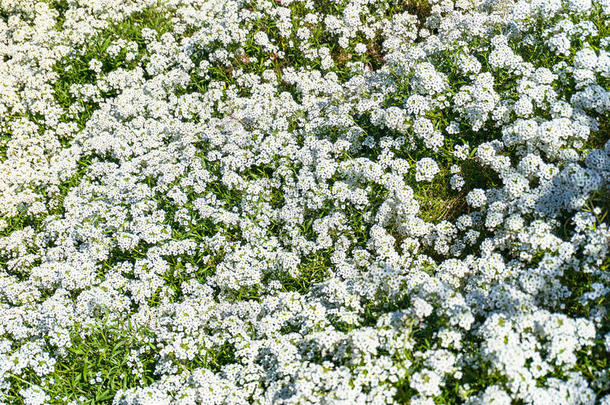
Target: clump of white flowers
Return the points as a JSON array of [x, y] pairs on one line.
[[426, 169], [229, 202]]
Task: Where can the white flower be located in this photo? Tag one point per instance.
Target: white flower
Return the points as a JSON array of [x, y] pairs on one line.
[[426, 169], [426, 383], [476, 198], [421, 309], [228, 184], [34, 395], [360, 48]]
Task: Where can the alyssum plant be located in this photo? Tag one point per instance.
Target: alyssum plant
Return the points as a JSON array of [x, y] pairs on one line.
[[304, 202]]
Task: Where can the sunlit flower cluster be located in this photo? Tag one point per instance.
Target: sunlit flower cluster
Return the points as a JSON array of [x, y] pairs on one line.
[[302, 202]]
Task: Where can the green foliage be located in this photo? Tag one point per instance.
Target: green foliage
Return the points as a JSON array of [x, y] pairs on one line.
[[96, 366]]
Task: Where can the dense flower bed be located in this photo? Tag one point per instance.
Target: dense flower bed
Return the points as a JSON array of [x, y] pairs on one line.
[[303, 202]]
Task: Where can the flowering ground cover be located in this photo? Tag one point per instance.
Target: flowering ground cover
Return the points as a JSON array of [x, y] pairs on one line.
[[304, 202]]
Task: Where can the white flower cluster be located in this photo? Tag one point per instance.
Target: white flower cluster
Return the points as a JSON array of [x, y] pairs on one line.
[[306, 202]]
